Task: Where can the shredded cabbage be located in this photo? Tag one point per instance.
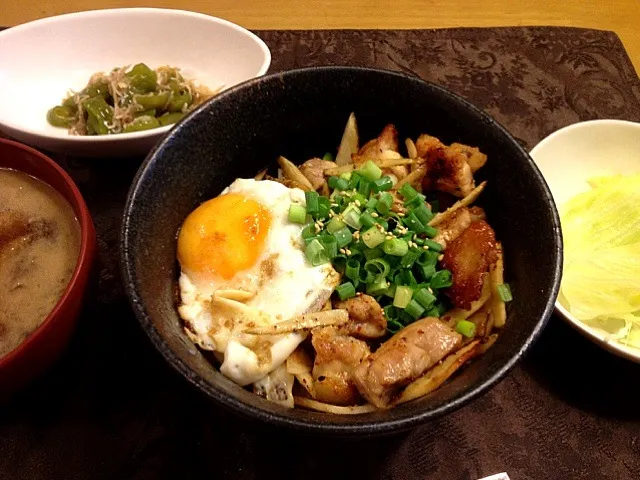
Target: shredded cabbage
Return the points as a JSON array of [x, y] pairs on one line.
[[601, 279]]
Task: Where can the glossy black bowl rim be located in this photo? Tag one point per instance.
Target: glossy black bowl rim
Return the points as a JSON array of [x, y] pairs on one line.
[[412, 419]]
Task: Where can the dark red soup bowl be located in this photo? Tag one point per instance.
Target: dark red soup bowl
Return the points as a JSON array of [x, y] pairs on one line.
[[46, 343]]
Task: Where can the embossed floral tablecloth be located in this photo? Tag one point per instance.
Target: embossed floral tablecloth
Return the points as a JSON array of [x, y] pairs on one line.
[[112, 409]]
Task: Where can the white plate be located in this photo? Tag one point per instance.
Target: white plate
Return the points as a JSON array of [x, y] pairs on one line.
[[567, 159], [41, 60]]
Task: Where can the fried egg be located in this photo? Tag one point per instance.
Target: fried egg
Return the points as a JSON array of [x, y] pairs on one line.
[[243, 264]]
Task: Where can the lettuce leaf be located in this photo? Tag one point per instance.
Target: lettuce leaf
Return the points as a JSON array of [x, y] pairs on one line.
[[601, 279]]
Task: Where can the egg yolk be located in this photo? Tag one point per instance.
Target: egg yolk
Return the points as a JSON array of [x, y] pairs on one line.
[[223, 236]]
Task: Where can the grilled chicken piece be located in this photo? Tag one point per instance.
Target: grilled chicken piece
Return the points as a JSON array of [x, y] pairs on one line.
[[451, 228], [385, 147], [475, 158], [366, 318], [448, 171], [468, 258], [314, 169], [403, 358], [477, 213], [337, 356]]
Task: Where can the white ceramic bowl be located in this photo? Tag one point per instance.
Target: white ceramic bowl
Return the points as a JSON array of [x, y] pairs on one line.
[[570, 156], [41, 60]]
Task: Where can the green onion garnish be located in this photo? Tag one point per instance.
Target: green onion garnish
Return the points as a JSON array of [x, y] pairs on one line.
[[351, 216], [364, 186], [396, 247], [504, 291], [378, 267], [330, 245], [370, 171], [414, 309], [384, 203], [312, 202], [367, 220], [328, 156], [435, 246], [441, 279], [335, 224], [378, 287], [346, 291], [373, 237], [315, 253], [466, 328], [343, 237], [424, 298], [297, 213], [354, 181], [412, 222], [352, 270], [337, 183], [324, 205], [407, 191], [402, 296], [346, 176], [382, 184], [423, 213]]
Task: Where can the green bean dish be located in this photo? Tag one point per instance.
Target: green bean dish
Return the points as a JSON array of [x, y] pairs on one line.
[[129, 99]]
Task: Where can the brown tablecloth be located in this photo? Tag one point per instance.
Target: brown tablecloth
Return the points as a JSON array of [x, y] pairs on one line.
[[112, 409]]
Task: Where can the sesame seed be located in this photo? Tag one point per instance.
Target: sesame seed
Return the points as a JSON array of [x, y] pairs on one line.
[[440, 258], [425, 247], [342, 250], [348, 251], [389, 237], [400, 214], [335, 205], [374, 214], [430, 290], [415, 236], [358, 203]]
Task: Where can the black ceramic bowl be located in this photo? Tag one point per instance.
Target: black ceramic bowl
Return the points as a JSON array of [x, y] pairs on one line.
[[301, 114]]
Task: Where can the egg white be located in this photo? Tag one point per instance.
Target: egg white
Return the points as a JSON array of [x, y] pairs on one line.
[[293, 287]]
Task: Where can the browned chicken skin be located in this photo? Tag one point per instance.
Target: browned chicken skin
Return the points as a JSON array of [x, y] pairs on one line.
[[337, 356], [314, 171], [403, 358], [366, 318], [379, 148], [468, 258], [451, 228]]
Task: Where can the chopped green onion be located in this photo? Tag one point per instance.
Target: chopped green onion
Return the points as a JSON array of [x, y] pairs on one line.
[[371, 204], [409, 259], [430, 231], [337, 183], [339, 262], [361, 199], [332, 182], [435, 246], [354, 181], [378, 287], [466, 328], [316, 253], [352, 270], [391, 290], [346, 176], [402, 297], [415, 202], [384, 203], [297, 213], [346, 291], [428, 258], [330, 245], [365, 276], [371, 253], [390, 312], [343, 237], [412, 222], [396, 247], [323, 208], [407, 192], [383, 222], [394, 326], [382, 184], [424, 298], [351, 216], [370, 171], [364, 187], [312, 202], [426, 272], [328, 157], [367, 220], [373, 237], [414, 309], [441, 279], [504, 291], [423, 213], [378, 267], [309, 231], [335, 224]]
